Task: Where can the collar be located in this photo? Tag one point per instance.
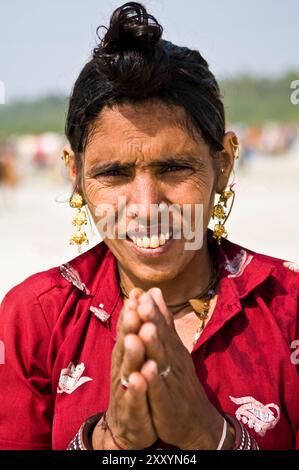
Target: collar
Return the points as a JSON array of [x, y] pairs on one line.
[[241, 271]]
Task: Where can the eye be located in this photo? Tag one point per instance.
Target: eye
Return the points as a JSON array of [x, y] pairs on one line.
[[174, 168], [111, 173], [115, 172]]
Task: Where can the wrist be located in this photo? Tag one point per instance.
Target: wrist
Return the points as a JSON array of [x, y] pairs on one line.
[[98, 436], [83, 439], [219, 435], [107, 437]]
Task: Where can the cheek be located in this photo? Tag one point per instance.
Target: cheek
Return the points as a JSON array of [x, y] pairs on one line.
[[200, 189], [103, 203], [96, 194]]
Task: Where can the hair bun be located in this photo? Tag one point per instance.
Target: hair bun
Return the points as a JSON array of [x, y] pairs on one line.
[[131, 27]]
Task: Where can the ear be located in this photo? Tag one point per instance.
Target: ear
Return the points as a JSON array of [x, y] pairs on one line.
[[226, 160], [69, 158]]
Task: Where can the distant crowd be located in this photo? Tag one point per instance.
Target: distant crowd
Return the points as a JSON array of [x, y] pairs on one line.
[[23, 155]]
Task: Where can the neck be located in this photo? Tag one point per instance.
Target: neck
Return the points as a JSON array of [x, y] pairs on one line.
[[178, 290]]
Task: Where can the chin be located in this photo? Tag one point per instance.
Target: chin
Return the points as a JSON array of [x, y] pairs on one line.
[[154, 277]]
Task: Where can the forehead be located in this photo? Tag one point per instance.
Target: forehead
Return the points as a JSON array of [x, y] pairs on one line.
[[143, 128]]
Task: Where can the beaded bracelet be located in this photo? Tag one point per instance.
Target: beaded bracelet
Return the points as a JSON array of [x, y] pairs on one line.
[[243, 440], [82, 440]]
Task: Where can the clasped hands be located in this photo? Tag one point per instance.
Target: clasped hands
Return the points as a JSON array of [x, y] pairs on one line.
[[173, 408]]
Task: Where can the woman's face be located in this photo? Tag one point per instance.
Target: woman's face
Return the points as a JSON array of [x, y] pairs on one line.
[[138, 154]]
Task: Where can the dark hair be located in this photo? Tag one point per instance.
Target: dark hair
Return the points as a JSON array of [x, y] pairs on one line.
[[133, 63]]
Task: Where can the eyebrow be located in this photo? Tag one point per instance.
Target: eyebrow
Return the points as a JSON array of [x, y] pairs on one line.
[[118, 164]]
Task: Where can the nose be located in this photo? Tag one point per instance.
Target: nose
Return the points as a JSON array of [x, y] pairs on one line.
[[145, 196]]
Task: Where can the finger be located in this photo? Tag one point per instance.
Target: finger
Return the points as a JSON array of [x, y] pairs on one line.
[[137, 389], [129, 322], [133, 356], [157, 390], [134, 400], [157, 295], [130, 305], [154, 347], [149, 311], [135, 293]]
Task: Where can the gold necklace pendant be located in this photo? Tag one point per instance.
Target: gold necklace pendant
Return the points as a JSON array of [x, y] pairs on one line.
[[201, 308]]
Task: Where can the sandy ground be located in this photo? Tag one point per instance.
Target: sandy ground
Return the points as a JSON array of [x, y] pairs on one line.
[[35, 223]]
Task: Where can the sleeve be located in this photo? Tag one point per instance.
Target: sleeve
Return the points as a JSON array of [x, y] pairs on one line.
[[25, 386]]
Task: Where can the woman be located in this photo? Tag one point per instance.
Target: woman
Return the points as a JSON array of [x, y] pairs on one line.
[[199, 355]]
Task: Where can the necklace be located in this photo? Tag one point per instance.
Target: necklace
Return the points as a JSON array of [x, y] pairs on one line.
[[200, 303]]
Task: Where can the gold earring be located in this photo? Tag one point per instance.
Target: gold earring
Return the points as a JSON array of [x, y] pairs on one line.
[[65, 157], [79, 236], [236, 146], [220, 213]]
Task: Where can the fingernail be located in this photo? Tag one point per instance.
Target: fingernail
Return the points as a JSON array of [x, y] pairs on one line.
[[154, 367]]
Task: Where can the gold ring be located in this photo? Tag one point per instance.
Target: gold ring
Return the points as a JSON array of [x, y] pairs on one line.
[[124, 383]]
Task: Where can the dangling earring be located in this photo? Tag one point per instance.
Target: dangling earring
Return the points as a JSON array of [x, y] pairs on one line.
[[218, 210], [79, 236], [220, 213]]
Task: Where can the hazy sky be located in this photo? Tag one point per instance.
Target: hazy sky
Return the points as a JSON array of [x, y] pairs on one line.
[[45, 43]]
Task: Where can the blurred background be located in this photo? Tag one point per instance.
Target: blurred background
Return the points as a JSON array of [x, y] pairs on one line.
[[252, 48]]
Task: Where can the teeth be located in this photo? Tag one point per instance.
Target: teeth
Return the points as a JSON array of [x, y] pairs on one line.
[[151, 242], [154, 243], [146, 242], [162, 239]]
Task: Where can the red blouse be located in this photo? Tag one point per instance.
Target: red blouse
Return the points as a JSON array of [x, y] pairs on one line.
[[58, 329]]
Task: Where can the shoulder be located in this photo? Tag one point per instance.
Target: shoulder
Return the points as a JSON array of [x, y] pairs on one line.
[[44, 294], [285, 272], [272, 281]]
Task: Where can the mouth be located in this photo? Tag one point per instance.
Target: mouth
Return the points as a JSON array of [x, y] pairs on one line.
[[149, 242], [153, 245]]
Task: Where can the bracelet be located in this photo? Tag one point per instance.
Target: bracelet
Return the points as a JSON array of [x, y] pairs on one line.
[[243, 440], [223, 436], [82, 440]]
